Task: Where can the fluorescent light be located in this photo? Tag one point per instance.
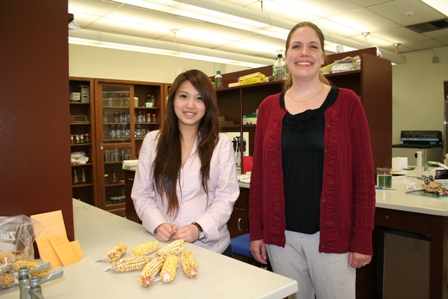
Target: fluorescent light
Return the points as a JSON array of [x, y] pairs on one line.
[[208, 15], [167, 52], [440, 5]]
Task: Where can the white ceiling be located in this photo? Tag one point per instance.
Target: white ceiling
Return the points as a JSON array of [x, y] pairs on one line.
[[342, 21]]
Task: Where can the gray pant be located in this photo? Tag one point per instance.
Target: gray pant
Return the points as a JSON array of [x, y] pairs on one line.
[[326, 276]]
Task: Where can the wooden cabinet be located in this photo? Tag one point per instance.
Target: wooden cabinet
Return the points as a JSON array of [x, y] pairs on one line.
[[129, 182], [123, 117], [373, 84], [82, 136], [238, 223], [109, 119]]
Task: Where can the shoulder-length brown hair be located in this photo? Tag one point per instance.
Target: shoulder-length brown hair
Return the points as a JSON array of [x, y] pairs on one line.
[[288, 82], [168, 161]]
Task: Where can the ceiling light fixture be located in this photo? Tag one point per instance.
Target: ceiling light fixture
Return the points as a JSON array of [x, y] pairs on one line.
[[439, 5], [117, 42], [208, 15]]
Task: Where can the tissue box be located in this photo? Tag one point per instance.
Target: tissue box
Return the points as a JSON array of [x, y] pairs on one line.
[[399, 163]]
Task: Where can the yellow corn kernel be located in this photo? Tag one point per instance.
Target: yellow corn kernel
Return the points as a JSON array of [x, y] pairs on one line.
[[6, 280], [175, 247], [169, 268], [31, 265], [136, 262], [189, 265], [145, 248], [6, 257], [117, 252], [150, 271]]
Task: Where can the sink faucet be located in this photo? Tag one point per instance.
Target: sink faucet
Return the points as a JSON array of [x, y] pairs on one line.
[[30, 286]]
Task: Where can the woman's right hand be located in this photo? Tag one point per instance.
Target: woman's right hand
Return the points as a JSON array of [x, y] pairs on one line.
[[258, 250], [165, 232]]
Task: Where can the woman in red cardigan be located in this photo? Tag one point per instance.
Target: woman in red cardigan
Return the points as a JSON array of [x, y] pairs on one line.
[[312, 191]]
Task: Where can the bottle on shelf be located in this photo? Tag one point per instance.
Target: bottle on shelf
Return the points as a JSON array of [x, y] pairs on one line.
[[279, 68], [150, 100], [218, 79]]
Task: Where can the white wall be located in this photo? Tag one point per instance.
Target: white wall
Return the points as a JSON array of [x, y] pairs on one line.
[[418, 102], [417, 90], [95, 62]]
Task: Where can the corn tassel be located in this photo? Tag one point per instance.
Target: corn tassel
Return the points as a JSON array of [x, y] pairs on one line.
[[145, 248], [150, 271], [117, 252], [136, 262], [31, 265], [189, 265], [169, 268], [175, 247]]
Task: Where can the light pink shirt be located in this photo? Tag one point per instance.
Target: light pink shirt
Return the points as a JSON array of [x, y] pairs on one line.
[[223, 191]]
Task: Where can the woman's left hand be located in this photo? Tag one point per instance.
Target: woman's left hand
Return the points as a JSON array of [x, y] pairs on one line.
[[358, 260]]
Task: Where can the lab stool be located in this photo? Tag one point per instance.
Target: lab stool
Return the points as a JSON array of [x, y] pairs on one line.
[[241, 251]]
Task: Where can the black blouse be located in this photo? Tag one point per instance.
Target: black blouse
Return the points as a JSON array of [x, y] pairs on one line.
[[303, 158]]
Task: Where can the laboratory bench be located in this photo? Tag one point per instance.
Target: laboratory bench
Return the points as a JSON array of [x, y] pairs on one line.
[[98, 231]]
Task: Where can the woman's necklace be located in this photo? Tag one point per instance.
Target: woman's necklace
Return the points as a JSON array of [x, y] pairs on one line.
[[290, 95]]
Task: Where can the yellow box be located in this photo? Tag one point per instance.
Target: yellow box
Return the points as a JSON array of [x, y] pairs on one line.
[[252, 81], [250, 76]]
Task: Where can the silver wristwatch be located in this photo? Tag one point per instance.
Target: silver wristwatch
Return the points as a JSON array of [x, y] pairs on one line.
[[201, 232]]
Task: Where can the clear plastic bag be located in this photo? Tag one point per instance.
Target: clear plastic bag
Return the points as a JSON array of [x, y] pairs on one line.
[[17, 235]]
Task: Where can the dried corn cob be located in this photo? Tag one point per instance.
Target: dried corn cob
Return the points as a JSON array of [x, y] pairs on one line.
[[150, 271], [145, 248], [189, 265], [6, 280], [31, 265], [169, 268], [175, 247], [117, 252], [136, 262]]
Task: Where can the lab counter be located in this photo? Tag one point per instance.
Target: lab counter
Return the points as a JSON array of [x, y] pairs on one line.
[[98, 231], [395, 209]]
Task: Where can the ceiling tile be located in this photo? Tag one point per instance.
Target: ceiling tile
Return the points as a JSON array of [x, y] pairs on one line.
[[395, 10]]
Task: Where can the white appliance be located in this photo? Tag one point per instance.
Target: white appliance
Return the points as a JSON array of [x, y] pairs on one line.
[[428, 142]]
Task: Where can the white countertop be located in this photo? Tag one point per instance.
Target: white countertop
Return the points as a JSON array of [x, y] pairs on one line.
[[398, 199], [98, 231]]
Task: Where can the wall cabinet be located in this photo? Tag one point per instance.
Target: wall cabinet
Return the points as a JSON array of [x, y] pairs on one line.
[[82, 136]]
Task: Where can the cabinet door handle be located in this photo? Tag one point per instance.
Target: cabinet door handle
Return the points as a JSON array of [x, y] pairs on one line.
[[101, 146], [239, 224], [130, 179]]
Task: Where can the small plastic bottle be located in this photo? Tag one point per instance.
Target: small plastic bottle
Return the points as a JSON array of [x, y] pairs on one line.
[[279, 68], [218, 79]]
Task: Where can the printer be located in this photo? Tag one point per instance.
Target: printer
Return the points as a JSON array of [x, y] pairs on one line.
[[430, 143]]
